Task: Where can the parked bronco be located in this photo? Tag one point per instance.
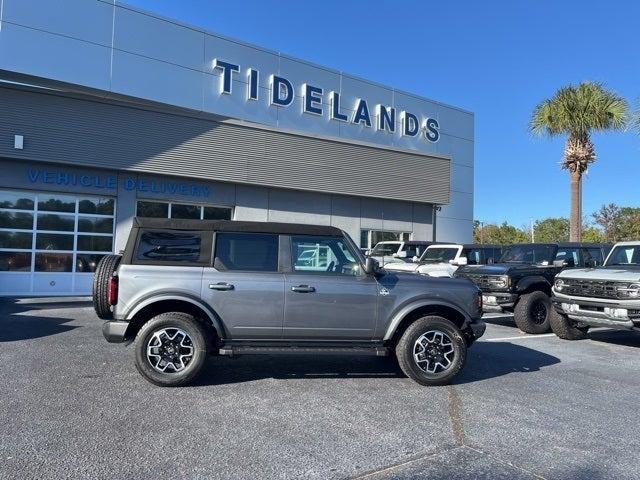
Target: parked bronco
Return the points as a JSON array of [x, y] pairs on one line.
[[183, 289], [521, 282], [442, 260], [608, 296]]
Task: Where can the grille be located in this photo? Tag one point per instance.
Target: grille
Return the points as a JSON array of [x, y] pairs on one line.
[[590, 288], [481, 281]]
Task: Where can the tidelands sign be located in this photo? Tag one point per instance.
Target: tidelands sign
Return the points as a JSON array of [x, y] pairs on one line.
[[282, 94]]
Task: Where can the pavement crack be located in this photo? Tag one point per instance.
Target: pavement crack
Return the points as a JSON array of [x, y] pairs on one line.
[[408, 461], [455, 415], [505, 462]]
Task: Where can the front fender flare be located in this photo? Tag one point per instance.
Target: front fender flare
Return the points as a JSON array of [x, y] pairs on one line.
[[211, 315], [527, 282], [407, 309]]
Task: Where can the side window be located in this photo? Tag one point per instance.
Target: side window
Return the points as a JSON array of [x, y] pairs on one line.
[[323, 255], [474, 256], [569, 254], [170, 246], [252, 252], [593, 254]]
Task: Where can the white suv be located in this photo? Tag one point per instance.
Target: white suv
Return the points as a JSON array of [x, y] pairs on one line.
[[397, 251], [442, 260]]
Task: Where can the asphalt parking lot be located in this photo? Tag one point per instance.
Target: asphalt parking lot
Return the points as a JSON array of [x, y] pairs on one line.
[[73, 406]]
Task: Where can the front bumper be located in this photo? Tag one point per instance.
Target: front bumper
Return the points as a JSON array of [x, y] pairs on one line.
[[115, 331], [498, 302], [474, 330], [599, 314]]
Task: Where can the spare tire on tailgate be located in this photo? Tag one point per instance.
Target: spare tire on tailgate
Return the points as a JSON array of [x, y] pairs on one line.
[[104, 271]]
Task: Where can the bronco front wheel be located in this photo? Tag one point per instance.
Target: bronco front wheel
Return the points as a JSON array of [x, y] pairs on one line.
[[431, 351], [171, 349]]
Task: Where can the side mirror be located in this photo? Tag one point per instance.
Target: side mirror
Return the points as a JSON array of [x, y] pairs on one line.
[[564, 263], [401, 254], [371, 266], [415, 258], [462, 261], [592, 263], [490, 261]]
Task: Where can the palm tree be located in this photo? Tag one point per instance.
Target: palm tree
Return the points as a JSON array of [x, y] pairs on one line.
[[576, 111]]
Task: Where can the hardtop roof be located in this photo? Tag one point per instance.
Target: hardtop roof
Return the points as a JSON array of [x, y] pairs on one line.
[[235, 226]]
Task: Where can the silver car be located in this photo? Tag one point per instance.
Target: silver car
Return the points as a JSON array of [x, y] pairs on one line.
[[185, 289]]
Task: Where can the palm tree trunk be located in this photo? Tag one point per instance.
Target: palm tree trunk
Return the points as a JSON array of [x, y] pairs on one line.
[[576, 206]]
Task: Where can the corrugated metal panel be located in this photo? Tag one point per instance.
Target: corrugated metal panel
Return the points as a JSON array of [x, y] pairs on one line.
[[96, 134]]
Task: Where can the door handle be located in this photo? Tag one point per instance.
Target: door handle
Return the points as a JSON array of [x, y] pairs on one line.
[[303, 289], [221, 286]]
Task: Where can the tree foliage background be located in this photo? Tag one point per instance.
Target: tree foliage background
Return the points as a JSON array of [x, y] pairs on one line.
[[611, 223]]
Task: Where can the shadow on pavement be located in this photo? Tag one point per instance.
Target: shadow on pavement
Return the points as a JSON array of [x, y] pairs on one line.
[[484, 360], [15, 326], [618, 337], [494, 359]]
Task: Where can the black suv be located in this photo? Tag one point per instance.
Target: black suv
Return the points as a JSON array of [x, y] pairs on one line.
[[521, 282]]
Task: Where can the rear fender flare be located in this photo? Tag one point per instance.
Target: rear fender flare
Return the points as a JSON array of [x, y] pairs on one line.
[[211, 315]]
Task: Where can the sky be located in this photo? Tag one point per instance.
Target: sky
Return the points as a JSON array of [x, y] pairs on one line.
[[496, 58]]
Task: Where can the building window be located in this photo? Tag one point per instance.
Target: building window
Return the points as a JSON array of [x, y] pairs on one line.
[[51, 232], [149, 208], [369, 238]]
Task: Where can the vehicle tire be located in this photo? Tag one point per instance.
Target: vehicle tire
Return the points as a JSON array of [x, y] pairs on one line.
[[106, 266], [171, 349], [532, 312], [431, 351], [564, 329]]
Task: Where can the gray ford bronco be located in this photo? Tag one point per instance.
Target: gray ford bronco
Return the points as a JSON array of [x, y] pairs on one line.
[[186, 289]]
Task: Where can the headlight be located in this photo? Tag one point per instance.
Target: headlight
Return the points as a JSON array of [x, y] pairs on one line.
[[559, 284], [629, 291], [499, 282]]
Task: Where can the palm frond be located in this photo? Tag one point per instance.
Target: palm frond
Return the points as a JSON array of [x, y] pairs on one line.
[[579, 110]]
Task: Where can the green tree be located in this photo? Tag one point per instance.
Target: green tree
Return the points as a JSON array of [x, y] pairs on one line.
[[504, 234], [591, 234], [629, 223], [618, 223], [551, 230], [577, 111], [608, 217]]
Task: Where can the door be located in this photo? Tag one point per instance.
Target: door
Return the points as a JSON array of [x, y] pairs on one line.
[[331, 298], [51, 243], [244, 286]]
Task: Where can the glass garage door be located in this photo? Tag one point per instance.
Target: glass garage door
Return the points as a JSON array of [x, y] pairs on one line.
[[50, 243]]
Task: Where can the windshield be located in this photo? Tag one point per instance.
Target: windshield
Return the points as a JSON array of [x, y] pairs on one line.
[[626, 255], [534, 254], [439, 254], [385, 249], [413, 250]]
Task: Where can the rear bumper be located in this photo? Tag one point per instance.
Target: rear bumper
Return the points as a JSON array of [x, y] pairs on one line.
[[115, 331], [598, 314]]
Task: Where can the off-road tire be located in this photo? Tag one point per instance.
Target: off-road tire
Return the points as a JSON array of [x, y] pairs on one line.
[[169, 320], [106, 266], [564, 329], [406, 344], [524, 313]]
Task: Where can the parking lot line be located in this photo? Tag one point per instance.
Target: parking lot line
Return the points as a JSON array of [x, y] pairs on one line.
[[501, 339]]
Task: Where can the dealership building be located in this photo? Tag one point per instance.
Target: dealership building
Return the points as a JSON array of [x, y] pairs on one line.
[[109, 112]]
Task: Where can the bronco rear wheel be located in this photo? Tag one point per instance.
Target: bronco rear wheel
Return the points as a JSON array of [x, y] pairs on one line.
[[431, 351], [564, 328], [171, 349], [531, 313], [104, 271]]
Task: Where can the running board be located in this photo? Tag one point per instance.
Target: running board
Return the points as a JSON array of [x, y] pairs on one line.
[[248, 350]]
